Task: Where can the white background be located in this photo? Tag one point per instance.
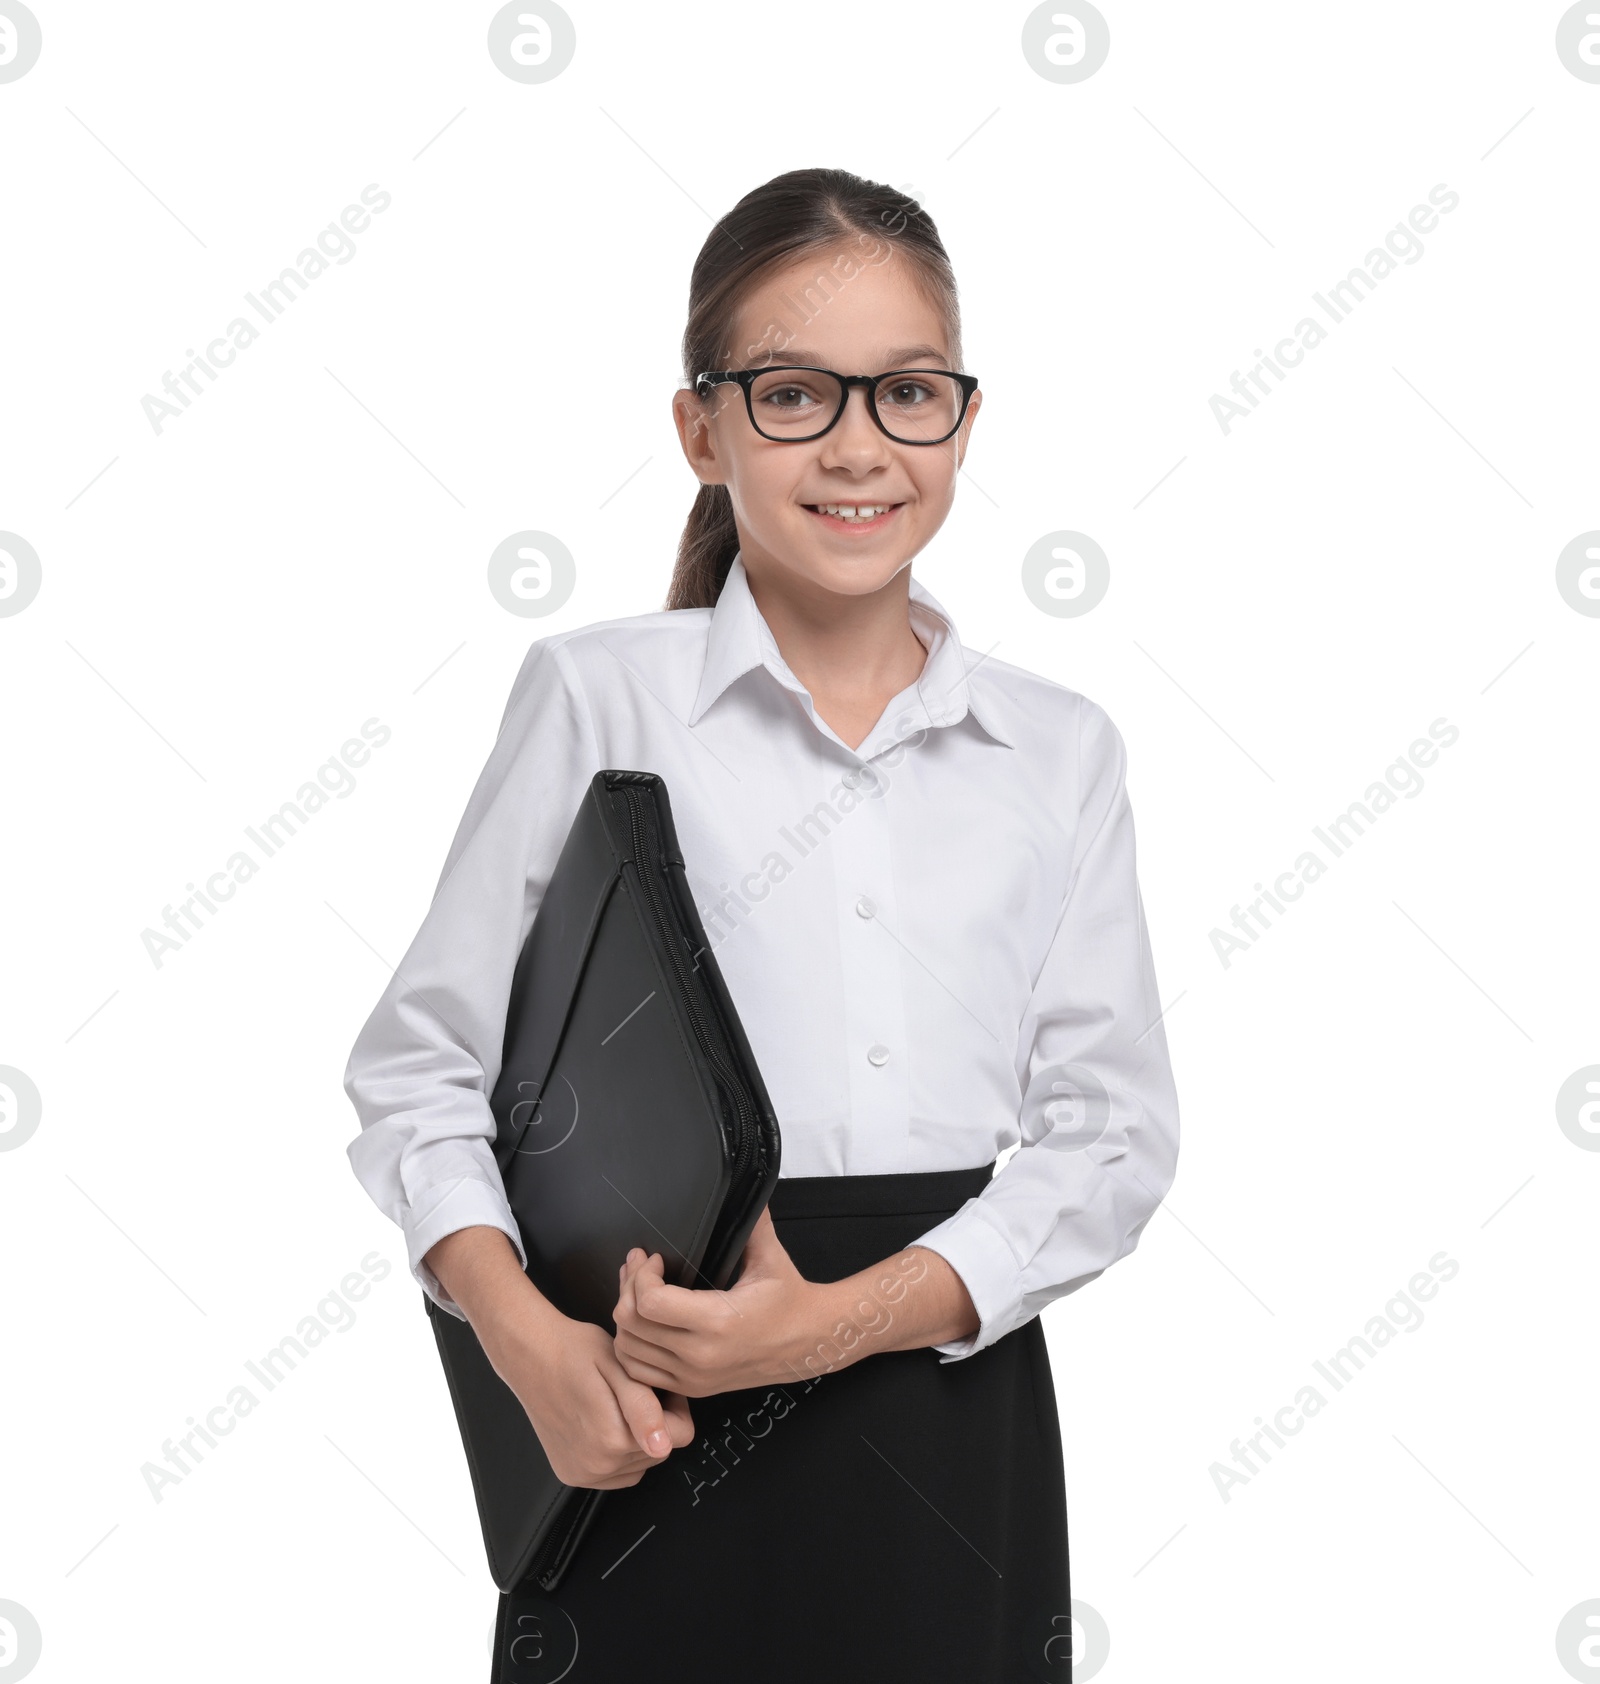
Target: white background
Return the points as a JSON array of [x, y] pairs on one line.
[[223, 604]]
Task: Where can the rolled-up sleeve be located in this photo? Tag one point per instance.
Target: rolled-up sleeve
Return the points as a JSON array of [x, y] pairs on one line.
[[1099, 1126], [425, 1062]]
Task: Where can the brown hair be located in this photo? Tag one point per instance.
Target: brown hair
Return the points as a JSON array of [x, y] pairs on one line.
[[789, 217]]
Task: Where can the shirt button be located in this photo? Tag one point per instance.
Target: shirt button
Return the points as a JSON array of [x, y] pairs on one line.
[[877, 1053], [865, 907]]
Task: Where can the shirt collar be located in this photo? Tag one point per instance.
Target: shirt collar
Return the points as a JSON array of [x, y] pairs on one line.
[[740, 640]]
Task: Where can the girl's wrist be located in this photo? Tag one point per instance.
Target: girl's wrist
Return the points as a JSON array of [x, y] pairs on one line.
[[909, 1300], [480, 1270], [521, 1333], [842, 1325]]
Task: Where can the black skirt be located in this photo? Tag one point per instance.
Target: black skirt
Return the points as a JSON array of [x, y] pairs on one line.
[[899, 1518]]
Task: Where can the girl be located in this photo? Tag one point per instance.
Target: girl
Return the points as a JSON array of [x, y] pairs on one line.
[[917, 872]]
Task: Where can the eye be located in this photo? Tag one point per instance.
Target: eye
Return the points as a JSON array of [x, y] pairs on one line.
[[785, 393], [904, 393], [787, 397]]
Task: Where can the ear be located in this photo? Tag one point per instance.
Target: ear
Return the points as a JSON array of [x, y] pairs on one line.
[[692, 416], [963, 438]]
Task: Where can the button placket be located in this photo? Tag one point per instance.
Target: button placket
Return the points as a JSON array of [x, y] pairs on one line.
[[874, 989]]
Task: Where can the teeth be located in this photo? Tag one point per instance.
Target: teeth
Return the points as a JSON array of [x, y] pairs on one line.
[[854, 511]]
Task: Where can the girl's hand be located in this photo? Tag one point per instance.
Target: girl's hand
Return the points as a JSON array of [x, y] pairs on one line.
[[599, 1427], [697, 1343]]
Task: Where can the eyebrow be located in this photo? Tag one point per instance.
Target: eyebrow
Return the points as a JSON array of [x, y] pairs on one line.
[[900, 358]]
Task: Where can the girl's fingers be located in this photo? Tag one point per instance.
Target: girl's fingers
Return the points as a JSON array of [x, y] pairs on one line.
[[680, 1423], [628, 1313], [646, 1373], [645, 1417], [641, 1347]]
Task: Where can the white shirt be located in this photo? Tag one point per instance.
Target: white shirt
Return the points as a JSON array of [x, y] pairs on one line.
[[935, 941]]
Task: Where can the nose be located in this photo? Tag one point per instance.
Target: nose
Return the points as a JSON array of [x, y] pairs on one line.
[[855, 440]]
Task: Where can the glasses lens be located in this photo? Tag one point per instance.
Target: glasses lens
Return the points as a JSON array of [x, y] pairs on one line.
[[919, 406], [792, 403]]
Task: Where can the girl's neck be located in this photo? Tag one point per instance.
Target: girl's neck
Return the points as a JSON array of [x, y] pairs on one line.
[[854, 654]]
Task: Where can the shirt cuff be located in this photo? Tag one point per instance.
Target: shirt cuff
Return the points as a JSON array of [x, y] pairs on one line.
[[464, 1203], [982, 1256]]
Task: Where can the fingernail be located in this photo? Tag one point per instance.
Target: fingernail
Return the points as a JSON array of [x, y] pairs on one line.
[[659, 1441]]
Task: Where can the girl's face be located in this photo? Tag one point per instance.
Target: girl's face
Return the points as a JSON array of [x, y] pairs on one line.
[[867, 316]]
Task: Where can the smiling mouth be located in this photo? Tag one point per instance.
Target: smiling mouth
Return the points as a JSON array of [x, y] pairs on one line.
[[853, 514]]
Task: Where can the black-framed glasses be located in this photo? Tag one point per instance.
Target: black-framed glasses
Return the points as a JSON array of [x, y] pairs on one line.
[[794, 403]]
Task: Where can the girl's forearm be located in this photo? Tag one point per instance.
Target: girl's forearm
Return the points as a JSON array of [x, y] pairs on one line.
[[478, 1267], [909, 1300]]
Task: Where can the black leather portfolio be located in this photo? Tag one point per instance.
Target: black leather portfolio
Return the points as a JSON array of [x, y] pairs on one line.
[[629, 1112]]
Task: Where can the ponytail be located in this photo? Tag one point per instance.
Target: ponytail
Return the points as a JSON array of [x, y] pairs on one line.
[[705, 551]]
